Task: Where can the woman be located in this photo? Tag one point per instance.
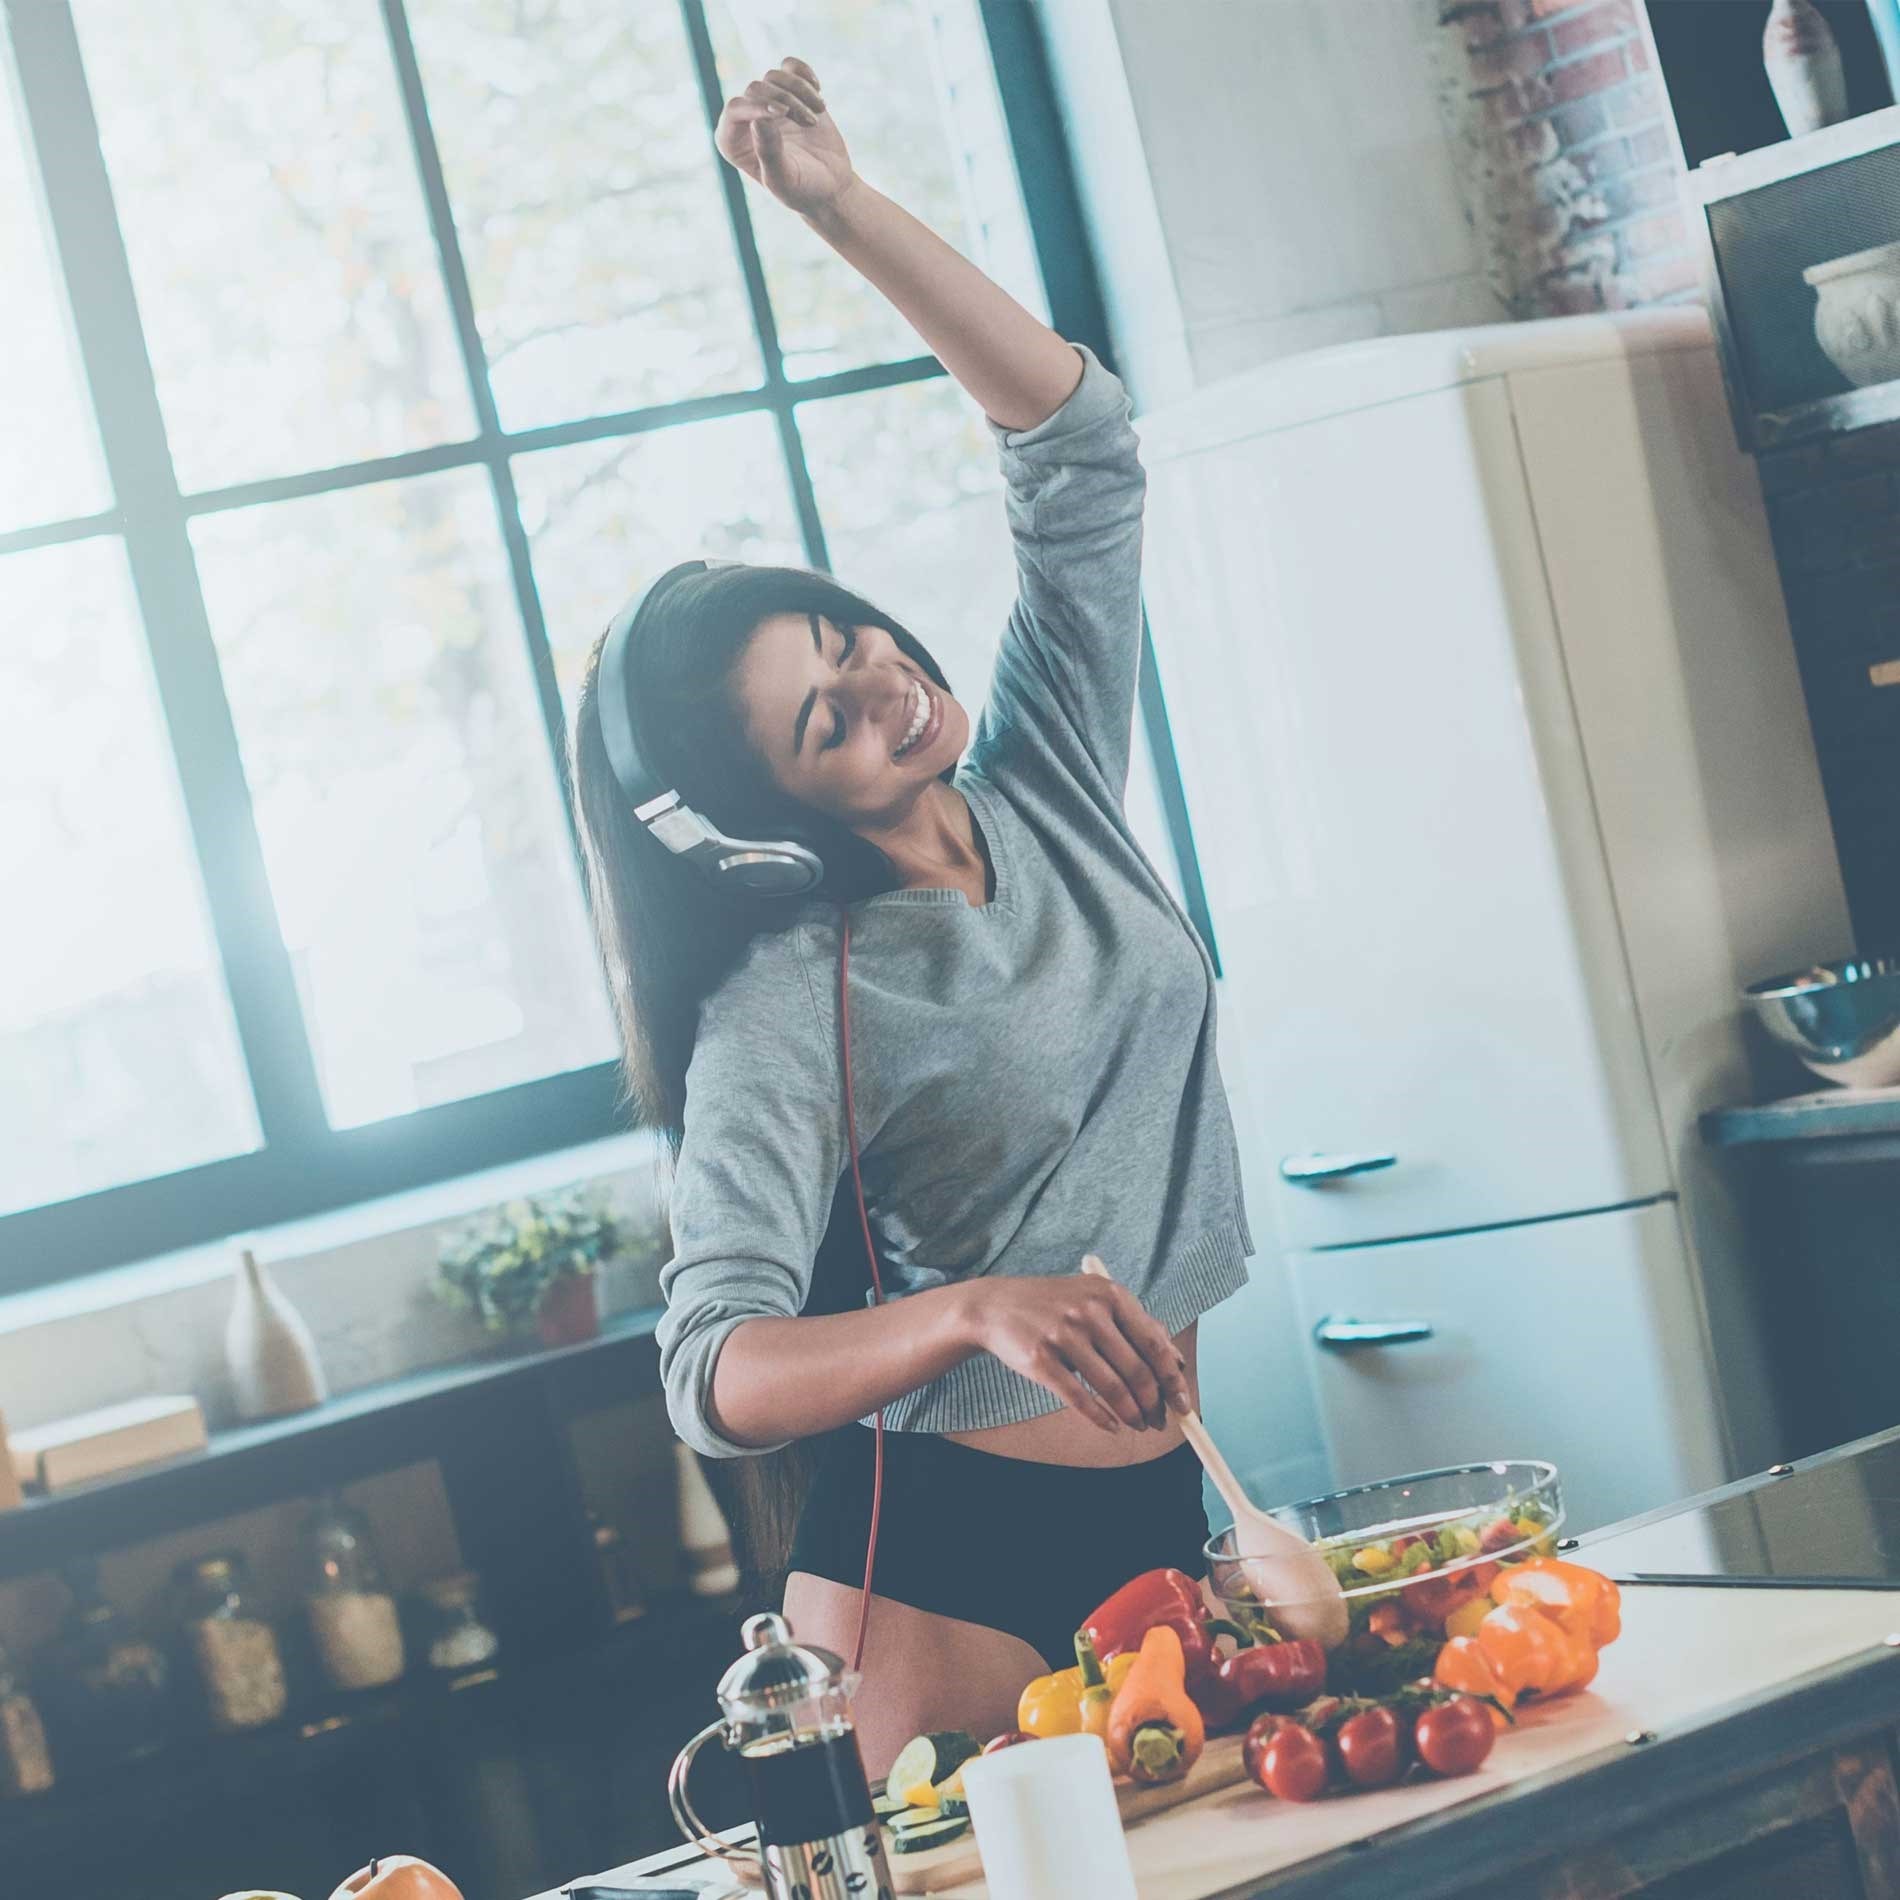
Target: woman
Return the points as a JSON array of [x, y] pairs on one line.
[[1032, 1027]]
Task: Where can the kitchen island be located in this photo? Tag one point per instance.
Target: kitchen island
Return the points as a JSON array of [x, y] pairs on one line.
[[1739, 1743]]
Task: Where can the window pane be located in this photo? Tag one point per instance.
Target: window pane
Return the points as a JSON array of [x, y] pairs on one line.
[[405, 792], [912, 504], [119, 1057], [917, 106], [286, 277], [911, 498], [604, 518], [49, 453], [587, 199]]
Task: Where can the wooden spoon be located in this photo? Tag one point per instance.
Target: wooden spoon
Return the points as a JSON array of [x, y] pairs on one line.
[[1291, 1579]]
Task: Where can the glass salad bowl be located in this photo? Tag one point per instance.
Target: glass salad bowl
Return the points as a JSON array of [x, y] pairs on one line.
[[1413, 1556]]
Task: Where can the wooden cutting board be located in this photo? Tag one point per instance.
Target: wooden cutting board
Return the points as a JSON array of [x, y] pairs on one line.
[[958, 1861]]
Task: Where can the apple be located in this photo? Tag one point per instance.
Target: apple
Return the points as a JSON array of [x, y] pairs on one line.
[[398, 1877]]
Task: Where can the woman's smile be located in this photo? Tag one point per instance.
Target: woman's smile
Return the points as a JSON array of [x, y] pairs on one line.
[[844, 718]]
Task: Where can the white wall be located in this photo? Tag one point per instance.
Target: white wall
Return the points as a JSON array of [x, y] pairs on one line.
[[1291, 181]]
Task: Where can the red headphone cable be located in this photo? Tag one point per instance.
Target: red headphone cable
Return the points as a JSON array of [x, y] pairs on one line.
[[877, 1282]]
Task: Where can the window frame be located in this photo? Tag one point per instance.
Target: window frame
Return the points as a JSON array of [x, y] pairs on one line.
[[303, 1166]]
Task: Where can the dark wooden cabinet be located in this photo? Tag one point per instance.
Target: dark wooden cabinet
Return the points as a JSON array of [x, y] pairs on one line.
[[554, 1762], [1826, 1827]]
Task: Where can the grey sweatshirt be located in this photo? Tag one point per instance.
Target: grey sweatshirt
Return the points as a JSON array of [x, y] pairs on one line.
[[1035, 1077]]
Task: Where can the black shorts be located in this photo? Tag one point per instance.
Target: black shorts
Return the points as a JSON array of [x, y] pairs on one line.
[[1010, 1543]]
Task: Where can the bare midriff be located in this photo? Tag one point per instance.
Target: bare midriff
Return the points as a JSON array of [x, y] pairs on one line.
[[1067, 1438]]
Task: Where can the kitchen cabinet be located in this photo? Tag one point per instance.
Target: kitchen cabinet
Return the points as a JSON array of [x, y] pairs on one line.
[[1821, 1172]]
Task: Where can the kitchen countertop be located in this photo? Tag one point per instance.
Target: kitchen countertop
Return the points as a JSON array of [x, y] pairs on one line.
[[1832, 1114], [1708, 1682]]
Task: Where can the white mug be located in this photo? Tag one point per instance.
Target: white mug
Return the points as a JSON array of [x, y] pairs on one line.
[[1046, 1821]]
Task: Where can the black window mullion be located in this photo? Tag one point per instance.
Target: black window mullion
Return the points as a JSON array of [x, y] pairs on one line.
[[217, 800], [752, 269], [468, 335]]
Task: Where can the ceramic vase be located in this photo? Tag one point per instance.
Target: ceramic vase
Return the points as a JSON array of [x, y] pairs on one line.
[[268, 1349], [704, 1534], [569, 1311], [1803, 62], [1857, 313]]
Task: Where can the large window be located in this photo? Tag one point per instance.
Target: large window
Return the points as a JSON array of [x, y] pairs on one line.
[[359, 357]]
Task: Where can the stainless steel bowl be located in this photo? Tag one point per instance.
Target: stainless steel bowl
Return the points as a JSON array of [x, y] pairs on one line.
[[1841, 1019]]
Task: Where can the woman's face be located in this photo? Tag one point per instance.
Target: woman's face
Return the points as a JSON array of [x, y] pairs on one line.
[[844, 721]]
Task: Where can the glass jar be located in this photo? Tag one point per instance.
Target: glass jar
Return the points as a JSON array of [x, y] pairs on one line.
[[459, 1641], [104, 1690], [26, 1764], [240, 1668], [352, 1613]]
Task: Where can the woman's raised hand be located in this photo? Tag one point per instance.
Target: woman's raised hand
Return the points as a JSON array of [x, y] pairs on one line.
[[1088, 1340], [780, 135]]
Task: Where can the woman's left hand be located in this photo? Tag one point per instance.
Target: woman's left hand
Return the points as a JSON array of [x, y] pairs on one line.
[[780, 135]]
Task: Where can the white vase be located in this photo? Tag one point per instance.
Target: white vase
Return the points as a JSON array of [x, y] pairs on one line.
[[1803, 63], [1857, 313], [704, 1534], [268, 1349]]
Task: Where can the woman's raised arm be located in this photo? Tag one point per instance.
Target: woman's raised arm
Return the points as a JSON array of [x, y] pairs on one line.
[[780, 134]]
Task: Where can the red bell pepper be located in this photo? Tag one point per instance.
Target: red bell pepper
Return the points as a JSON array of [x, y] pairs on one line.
[[1170, 1599], [1150, 1601], [1276, 1677]]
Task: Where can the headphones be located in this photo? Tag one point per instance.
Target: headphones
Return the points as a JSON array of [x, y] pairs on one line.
[[778, 867]]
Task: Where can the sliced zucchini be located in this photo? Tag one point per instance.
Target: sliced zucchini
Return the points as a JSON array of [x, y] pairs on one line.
[[929, 1759], [915, 1840], [885, 1805], [953, 1806], [908, 1818]]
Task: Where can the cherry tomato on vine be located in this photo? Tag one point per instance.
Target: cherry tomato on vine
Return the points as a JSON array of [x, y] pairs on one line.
[[1453, 1738], [1260, 1732], [1371, 1748], [1293, 1764]]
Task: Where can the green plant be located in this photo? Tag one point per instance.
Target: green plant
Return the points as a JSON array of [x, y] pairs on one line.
[[500, 1265]]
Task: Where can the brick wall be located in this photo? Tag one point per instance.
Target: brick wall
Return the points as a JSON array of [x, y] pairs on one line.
[[1566, 123]]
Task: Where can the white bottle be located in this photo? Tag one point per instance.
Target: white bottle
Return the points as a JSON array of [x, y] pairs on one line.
[[272, 1358], [1803, 63]]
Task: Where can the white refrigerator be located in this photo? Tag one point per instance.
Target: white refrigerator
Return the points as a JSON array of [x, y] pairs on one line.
[[1498, 764]]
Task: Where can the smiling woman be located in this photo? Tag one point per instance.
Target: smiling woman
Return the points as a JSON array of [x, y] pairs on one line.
[[990, 1005]]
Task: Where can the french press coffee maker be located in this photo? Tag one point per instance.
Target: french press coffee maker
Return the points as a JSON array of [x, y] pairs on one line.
[[786, 1713]]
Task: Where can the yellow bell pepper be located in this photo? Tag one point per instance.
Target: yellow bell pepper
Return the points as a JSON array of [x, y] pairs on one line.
[[1052, 1704]]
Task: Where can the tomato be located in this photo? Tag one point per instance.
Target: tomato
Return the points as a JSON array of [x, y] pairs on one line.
[[1259, 1733], [1453, 1738], [1292, 1763], [1010, 1738], [1371, 1748]]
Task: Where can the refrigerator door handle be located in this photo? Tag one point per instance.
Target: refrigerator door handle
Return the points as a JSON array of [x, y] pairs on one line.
[[1317, 1170], [1339, 1334]]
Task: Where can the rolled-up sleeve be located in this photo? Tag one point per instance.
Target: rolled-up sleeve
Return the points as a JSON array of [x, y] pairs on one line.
[[1071, 653], [753, 1183]]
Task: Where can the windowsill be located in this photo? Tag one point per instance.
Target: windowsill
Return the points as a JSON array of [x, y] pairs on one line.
[[453, 1199]]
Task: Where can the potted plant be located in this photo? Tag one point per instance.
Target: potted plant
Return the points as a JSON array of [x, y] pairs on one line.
[[529, 1264]]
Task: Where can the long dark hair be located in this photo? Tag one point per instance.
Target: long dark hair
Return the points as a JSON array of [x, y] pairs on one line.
[[668, 938]]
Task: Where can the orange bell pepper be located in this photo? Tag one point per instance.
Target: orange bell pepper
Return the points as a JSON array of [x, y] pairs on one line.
[[1585, 1601], [1533, 1652], [1463, 1666]]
